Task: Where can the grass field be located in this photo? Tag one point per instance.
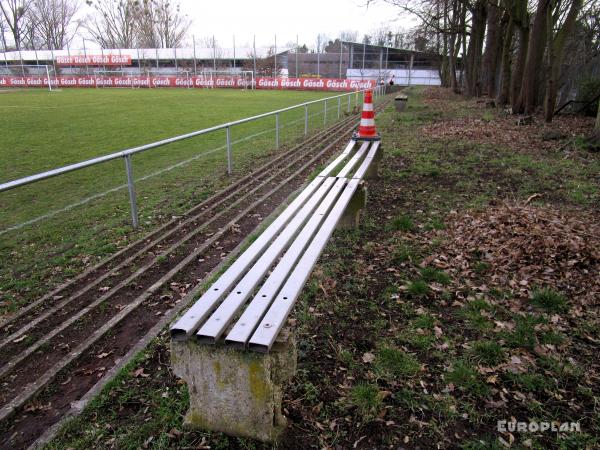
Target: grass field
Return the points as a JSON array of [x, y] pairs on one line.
[[43, 130]]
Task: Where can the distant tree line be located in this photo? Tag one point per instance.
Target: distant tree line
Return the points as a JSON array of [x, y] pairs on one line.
[[511, 50], [52, 24]]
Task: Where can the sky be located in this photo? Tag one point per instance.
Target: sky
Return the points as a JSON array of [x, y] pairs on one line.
[[286, 19]]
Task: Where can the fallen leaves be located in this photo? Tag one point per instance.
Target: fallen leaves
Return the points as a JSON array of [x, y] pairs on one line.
[[104, 354], [139, 373], [526, 247], [368, 358]]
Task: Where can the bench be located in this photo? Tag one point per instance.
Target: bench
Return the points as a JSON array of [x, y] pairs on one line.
[[232, 347]]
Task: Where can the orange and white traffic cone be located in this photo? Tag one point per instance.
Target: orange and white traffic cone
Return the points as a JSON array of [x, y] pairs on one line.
[[366, 129]]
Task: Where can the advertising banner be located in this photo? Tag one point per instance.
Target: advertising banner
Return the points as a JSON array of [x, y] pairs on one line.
[[94, 60], [301, 84]]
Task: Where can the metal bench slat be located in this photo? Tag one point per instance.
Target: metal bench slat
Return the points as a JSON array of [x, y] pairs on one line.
[[354, 160], [360, 173], [245, 326], [333, 164], [186, 325], [264, 336], [211, 330]]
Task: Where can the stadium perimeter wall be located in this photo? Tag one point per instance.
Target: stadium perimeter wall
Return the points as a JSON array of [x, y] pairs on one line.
[[92, 81]]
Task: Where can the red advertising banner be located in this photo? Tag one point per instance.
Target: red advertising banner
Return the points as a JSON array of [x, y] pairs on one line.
[[306, 84], [94, 60]]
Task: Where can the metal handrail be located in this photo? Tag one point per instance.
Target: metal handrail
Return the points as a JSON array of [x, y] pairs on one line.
[[127, 153]]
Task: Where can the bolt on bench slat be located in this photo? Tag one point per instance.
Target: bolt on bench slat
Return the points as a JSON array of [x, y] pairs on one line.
[[212, 329], [266, 333]]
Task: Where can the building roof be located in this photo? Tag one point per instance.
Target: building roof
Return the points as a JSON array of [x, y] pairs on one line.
[[241, 53]]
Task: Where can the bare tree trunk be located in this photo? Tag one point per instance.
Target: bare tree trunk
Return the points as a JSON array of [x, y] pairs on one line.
[[490, 57], [445, 71], [528, 97], [2, 31], [517, 76], [556, 49], [463, 43], [597, 126], [475, 48], [506, 62]]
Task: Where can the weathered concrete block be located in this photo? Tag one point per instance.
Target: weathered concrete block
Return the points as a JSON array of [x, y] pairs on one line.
[[372, 172], [236, 392], [351, 217], [400, 101]]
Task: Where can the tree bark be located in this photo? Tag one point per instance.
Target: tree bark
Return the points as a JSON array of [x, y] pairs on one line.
[[506, 62], [490, 57], [556, 47], [528, 97], [517, 77], [474, 51], [597, 126]]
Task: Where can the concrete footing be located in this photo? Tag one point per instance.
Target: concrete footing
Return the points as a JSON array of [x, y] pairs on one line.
[[236, 392], [372, 172], [351, 217]]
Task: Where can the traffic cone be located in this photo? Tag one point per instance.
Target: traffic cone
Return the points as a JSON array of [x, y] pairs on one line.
[[366, 129]]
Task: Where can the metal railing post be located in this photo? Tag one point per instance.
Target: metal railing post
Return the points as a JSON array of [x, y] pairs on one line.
[[131, 188], [349, 97], [325, 113], [277, 131], [305, 119], [229, 156], [339, 107]]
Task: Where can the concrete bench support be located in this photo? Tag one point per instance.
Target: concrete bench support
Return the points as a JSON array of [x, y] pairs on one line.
[[351, 217], [372, 172], [235, 392]]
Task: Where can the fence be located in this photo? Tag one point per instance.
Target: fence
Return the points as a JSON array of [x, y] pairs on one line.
[[300, 118], [333, 60]]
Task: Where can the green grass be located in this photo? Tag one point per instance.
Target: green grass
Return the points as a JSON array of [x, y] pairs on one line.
[[549, 300], [471, 313], [404, 253], [524, 334], [402, 223], [488, 352], [43, 130], [391, 363], [432, 274], [466, 377], [418, 288], [367, 400], [530, 382]]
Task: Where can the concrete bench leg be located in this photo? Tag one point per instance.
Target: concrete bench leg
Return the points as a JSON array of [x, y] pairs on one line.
[[236, 392], [372, 172], [351, 216]]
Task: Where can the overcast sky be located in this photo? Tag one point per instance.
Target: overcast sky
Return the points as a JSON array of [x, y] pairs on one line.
[[286, 18]]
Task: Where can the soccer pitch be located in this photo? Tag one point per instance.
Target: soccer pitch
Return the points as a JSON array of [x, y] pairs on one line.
[[59, 222], [43, 130]]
